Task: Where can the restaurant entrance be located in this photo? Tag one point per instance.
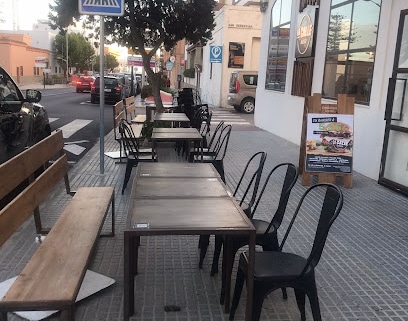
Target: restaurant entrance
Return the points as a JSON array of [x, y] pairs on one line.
[[394, 159]]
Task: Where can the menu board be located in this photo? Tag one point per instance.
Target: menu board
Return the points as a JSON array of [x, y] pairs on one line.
[[329, 143]]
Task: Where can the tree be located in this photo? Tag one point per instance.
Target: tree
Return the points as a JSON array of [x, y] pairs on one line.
[[110, 62], [80, 51], [147, 26]]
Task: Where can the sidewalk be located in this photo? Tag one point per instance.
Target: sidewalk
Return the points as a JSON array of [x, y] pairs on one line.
[[363, 273]]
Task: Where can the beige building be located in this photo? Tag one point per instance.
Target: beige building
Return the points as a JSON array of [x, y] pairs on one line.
[[18, 57], [235, 46]]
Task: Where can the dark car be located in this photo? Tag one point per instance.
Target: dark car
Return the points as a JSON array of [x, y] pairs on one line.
[[114, 89], [84, 83], [23, 122]]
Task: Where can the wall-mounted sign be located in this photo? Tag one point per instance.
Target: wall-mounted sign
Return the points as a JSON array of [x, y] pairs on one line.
[[305, 32], [216, 54], [236, 55], [329, 143], [40, 62]]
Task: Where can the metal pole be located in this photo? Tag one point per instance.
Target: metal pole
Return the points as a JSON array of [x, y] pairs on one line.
[[101, 96], [67, 57]]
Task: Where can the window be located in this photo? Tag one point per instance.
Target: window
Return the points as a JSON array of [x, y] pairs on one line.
[[351, 46], [278, 46]]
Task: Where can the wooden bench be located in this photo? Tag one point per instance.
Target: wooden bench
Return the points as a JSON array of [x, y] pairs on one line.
[[53, 275], [130, 112]]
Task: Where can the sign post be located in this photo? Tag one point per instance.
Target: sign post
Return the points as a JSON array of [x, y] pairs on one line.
[[101, 8]]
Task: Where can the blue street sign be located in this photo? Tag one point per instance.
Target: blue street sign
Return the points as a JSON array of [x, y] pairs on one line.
[[101, 7], [216, 54]]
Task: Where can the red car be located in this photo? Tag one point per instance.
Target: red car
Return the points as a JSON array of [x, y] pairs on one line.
[[84, 83]]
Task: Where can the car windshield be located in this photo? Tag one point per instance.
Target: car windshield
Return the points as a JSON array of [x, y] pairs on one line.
[[108, 82]]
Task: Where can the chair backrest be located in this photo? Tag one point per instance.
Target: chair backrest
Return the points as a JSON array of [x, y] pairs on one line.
[[130, 142], [289, 180], [222, 144], [332, 204], [256, 164], [214, 136]]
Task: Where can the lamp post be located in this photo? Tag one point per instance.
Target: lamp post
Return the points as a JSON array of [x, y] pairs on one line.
[[66, 39]]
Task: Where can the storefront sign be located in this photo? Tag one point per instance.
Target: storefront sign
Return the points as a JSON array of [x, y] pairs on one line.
[[40, 62], [329, 143], [305, 32]]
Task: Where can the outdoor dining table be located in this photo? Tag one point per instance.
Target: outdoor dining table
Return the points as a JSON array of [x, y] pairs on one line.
[[156, 209], [174, 135], [172, 117]]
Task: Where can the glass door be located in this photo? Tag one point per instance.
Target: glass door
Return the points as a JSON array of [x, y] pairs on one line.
[[394, 160]]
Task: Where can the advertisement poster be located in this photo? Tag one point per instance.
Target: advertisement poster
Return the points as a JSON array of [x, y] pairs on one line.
[[329, 143], [236, 55]]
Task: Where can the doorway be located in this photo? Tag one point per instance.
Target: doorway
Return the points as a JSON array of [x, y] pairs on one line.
[[394, 159]]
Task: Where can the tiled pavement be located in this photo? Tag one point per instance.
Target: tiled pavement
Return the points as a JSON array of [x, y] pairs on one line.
[[363, 273]]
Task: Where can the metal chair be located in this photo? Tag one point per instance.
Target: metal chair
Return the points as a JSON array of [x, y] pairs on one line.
[[131, 147], [277, 269], [285, 176], [245, 196]]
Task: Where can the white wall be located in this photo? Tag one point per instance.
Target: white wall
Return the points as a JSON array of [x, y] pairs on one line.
[[233, 24], [281, 113]]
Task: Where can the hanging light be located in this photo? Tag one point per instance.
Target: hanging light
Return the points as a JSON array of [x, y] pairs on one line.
[[263, 5]]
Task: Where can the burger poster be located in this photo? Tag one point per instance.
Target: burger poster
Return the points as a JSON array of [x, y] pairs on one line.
[[329, 143]]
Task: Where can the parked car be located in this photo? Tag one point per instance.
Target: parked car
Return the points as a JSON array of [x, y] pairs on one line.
[[84, 83], [23, 122], [242, 90], [114, 89]]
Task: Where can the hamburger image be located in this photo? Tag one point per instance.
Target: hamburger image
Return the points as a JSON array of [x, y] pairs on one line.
[[337, 137]]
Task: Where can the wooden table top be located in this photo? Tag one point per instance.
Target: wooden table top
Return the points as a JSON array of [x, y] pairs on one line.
[[180, 170], [174, 130], [174, 135], [176, 117], [186, 216], [165, 187]]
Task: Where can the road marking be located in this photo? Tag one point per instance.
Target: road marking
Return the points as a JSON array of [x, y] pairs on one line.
[[69, 129], [74, 149], [50, 119]]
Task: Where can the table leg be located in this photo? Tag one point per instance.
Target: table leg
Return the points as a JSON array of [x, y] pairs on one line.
[[202, 147], [250, 277], [128, 279], [228, 273], [153, 148]]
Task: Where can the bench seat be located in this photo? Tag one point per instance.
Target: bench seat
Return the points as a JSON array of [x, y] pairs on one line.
[[53, 276], [139, 119]]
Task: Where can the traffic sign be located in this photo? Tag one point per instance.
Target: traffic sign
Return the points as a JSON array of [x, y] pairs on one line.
[[169, 65], [101, 7], [216, 54]]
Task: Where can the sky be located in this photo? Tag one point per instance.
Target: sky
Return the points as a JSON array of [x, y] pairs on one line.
[[28, 12]]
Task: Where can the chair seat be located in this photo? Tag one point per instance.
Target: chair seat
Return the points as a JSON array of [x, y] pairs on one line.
[[276, 266]]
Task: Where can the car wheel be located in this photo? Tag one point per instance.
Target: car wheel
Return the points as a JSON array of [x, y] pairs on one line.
[[248, 105], [93, 100], [237, 108], [77, 90]]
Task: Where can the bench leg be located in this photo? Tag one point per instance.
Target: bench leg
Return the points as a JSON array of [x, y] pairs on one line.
[[112, 233], [3, 316], [68, 314]]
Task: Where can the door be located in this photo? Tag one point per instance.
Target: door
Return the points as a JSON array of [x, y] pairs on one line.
[[394, 160]]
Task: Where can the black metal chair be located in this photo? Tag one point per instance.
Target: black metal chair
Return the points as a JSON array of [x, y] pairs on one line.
[[285, 175], [216, 157], [211, 142], [131, 147], [277, 269], [246, 196]]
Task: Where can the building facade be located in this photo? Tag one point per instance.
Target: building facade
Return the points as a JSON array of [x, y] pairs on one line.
[[355, 47]]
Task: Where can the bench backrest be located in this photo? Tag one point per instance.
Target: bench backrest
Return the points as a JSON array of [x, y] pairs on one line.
[[22, 169], [130, 108], [118, 115]]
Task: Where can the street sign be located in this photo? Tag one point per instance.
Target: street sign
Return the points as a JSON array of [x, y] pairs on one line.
[[169, 65], [216, 54], [172, 59], [101, 7], [138, 61]]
